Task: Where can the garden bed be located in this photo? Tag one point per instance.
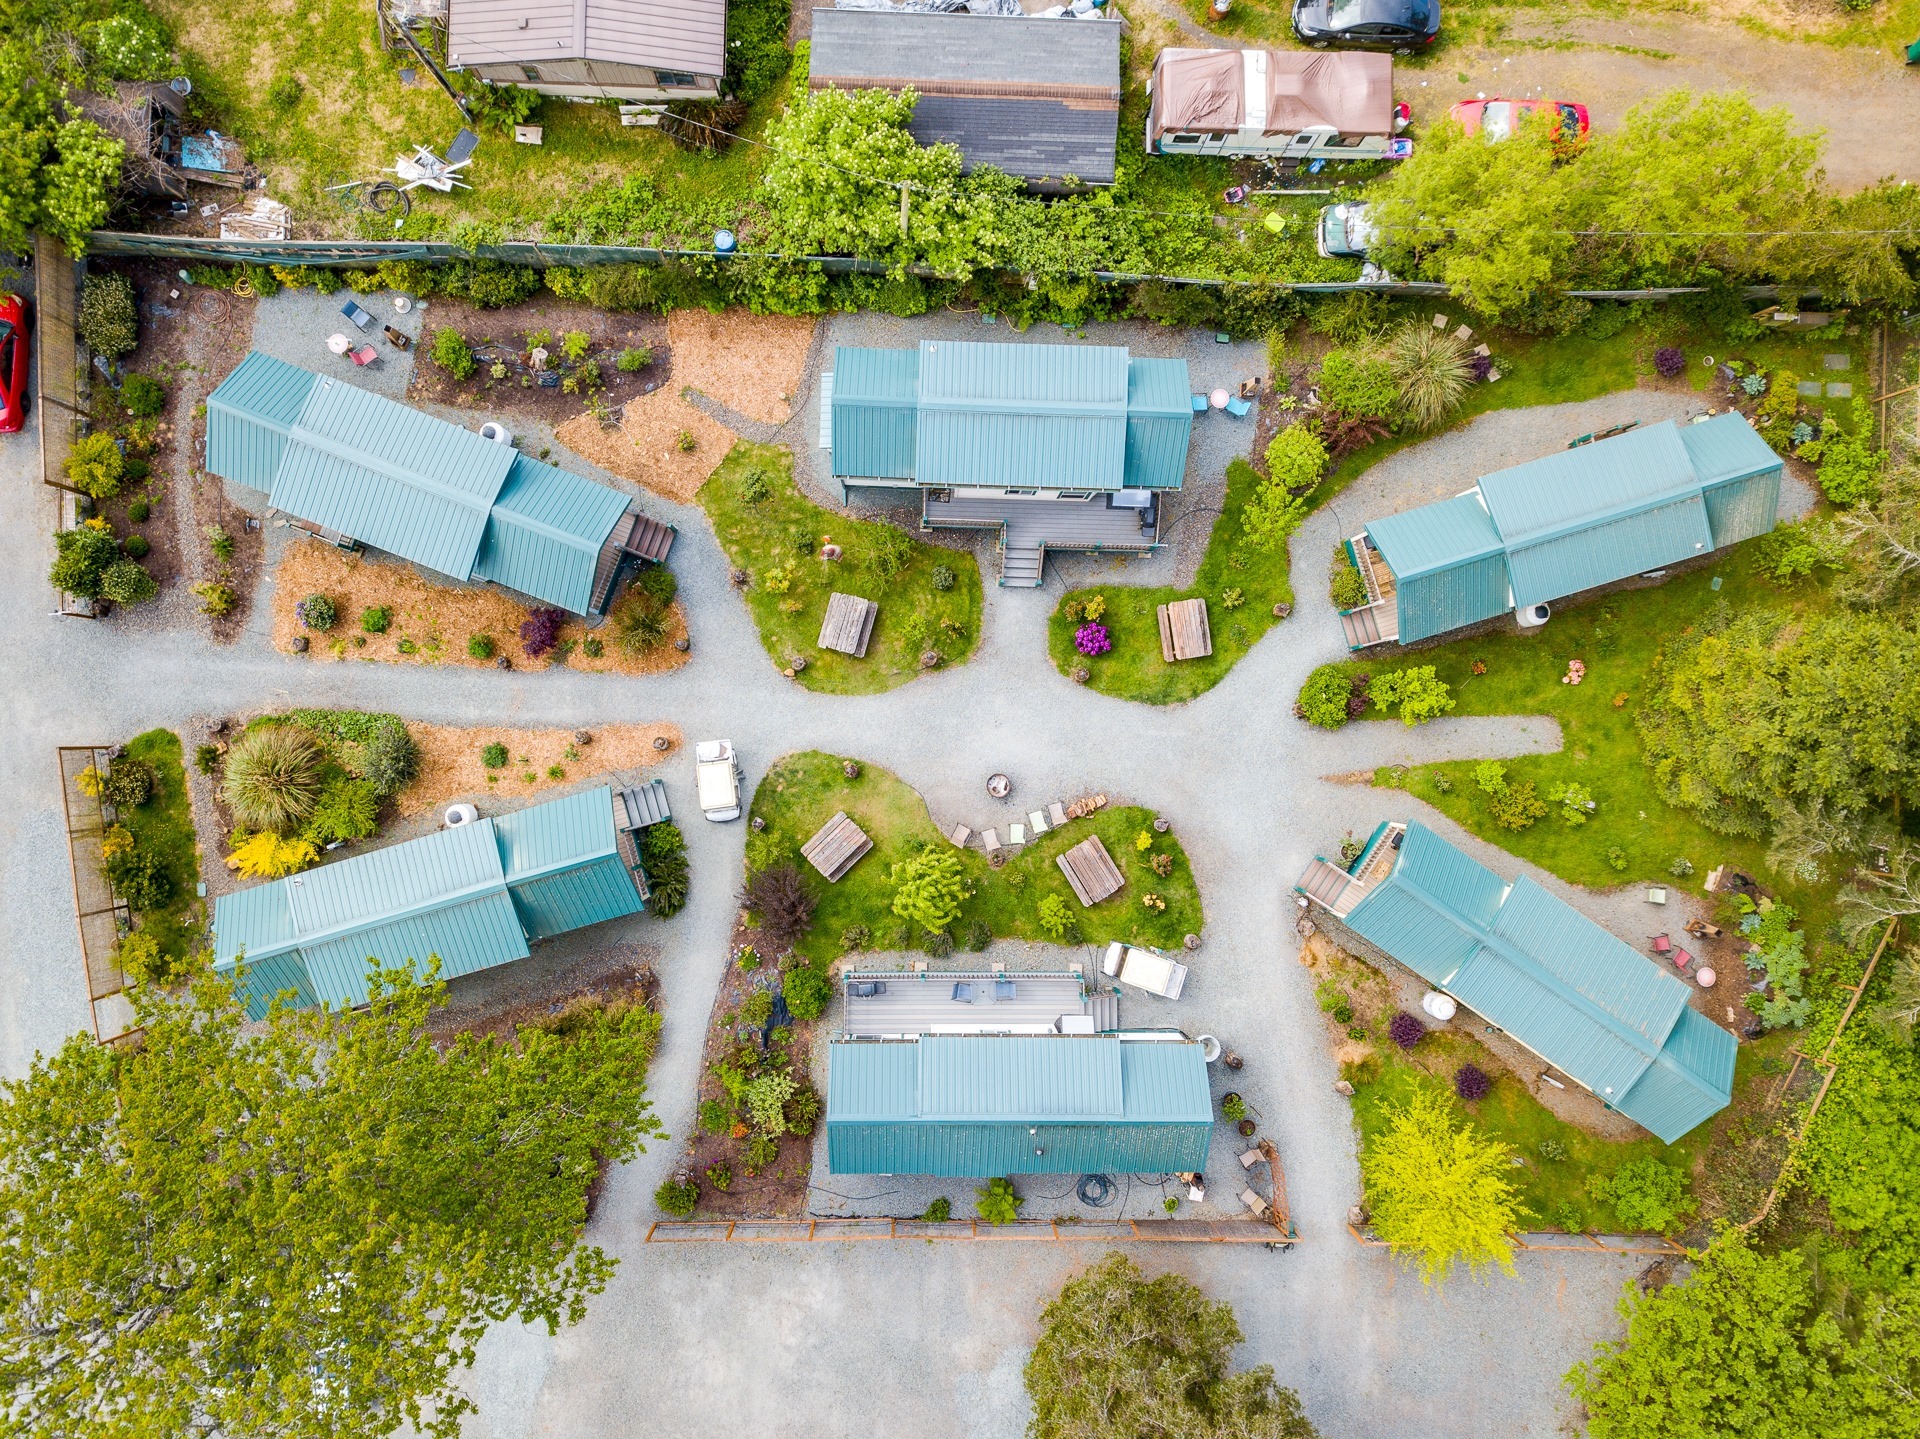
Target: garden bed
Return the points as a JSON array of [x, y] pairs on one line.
[[773, 534], [649, 446], [435, 624], [163, 827], [452, 764], [497, 1003], [802, 791]]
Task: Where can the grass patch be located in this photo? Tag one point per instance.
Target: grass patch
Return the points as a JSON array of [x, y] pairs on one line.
[[1133, 669], [163, 827], [1620, 638], [803, 791], [772, 531]]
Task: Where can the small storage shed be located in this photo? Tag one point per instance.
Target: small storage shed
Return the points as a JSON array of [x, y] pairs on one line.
[[1037, 98], [1449, 566], [472, 897], [979, 1105], [593, 49]]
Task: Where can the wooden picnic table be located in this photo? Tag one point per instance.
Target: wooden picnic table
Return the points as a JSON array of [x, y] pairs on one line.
[[833, 851], [1090, 871], [848, 624], [1184, 634]]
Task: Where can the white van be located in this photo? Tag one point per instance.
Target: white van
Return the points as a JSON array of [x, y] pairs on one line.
[[716, 779]]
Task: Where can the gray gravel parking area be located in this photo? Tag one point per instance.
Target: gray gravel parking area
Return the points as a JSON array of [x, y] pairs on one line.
[[911, 1338]]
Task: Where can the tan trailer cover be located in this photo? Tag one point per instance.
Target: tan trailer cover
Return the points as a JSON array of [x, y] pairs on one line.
[[1206, 90]]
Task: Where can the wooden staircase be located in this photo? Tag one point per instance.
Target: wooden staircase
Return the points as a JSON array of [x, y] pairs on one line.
[[649, 539], [1104, 1006], [1332, 887], [1020, 566]]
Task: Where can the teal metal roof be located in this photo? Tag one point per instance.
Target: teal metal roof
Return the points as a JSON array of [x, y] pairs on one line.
[[410, 484], [1159, 424], [1725, 447], [876, 397], [544, 533], [1553, 979], [977, 1105], [470, 897], [249, 415], [1578, 518], [959, 412]]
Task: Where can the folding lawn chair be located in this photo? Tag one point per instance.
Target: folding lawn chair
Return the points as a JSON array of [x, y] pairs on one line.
[[1662, 944], [1239, 408], [360, 317], [1681, 959], [365, 355], [1199, 404]]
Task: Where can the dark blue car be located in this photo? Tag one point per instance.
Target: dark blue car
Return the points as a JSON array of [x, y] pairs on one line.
[[1402, 26]]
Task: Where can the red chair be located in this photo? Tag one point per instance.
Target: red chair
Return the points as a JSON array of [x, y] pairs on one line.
[[1681, 959], [365, 355], [1662, 944]]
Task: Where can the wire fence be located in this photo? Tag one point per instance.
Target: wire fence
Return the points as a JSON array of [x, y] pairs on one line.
[[102, 915], [1554, 1241]]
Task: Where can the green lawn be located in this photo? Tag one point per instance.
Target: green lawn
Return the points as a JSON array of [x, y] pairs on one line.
[[1619, 637], [1133, 669], [163, 826], [775, 538], [802, 791]]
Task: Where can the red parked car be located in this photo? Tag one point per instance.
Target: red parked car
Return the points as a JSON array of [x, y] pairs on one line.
[[1498, 117], [13, 364]]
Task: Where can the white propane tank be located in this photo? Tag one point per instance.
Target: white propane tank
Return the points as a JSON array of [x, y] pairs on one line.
[[1440, 1006], [497, 432], [1533, 616], [459, 814]]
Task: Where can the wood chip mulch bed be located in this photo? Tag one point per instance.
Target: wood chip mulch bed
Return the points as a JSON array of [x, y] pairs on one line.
[[780, 1190], [436, 620], [451, 767], [644, 447]]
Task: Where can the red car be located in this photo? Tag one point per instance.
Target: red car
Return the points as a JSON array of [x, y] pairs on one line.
[[13, 364], [1498, 117]]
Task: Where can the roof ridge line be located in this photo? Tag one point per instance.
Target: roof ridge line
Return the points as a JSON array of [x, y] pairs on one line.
[[301, 433]]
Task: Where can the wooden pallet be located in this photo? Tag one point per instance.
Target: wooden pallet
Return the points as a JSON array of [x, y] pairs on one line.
[[833, 851], [848, 625]]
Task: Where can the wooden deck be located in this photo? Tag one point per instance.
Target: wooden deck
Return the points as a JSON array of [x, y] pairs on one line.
[[1090, 871], [1184, 633], [1329, 885], [834, 850], [1029, 527], [848, 624], [1373, 624], [633, 537]]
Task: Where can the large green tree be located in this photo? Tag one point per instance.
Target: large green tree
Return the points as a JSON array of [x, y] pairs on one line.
[[1122, 1356], [1750, 1348], [301, 1231]]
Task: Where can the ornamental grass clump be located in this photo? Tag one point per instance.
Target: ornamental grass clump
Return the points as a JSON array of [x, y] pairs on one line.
[[1430, 367], [272, 779]]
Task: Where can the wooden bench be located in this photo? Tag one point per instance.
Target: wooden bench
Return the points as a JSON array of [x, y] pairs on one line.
[[834, 849], [848, 625], [1090, 871], [1184, 634]]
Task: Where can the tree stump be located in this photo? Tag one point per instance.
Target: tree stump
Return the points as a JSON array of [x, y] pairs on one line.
[[300, 644], [1161, 826], [850, 769], [1192, 941], [503, 663], [581, 736], [683, 645], [662, 743], [1282, 610]]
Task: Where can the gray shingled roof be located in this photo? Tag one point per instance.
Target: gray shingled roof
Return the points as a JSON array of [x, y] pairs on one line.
[[1039, 99]]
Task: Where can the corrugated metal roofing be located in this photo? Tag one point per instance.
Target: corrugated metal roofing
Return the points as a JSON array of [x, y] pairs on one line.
[[1159, 424], [1557, 982], [1038, 99], [876, 398], [1011, 1077], [408, 483], [1435, 537], [469, 896], [249, 415], [1726, 447], [1588, 483], [666, 34], [1610, 549], [544, 533], [984, 1104]]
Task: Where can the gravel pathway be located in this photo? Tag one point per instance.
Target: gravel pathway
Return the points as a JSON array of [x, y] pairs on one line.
[[917, 1339]]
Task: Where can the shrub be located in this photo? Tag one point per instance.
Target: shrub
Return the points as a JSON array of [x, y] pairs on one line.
[[347, 809], [757, 1008], [998, 1203], [720, 1176], [316, 612], [109, 319], [1430, 368], [1419, 693], [389, 759], [141, 959], [81, 558], [95, 466], [1669, 361], [676, 1198], [1680, 868], [1357, 385], [633, 359], [760, 1151], [853, 937], [135, 547], [139, 510], [272, 779], [494, 756], [575, 344], [1575, 802], [803, 1110], [943, 577], [1440, 1194], [686, 442], [807, 991], [888, 551], [540, 631], [128, 784], [1405, 1030], [268, 856], [480, 647], [125, 582], [206, 758], [375, 619], [715, 1117], [1092, 639], [929, 888], [1234, 1108], [143, 395], [639, 628], [1323, 698], [1552, 1149], [220, 542], [1345, 586], [1645, 1194], [755, 487], [938, 1212], [452, 353], [779, 895], [1232, 598], [1470, 1082], [1053, 916], [132, 471], [137, 877]]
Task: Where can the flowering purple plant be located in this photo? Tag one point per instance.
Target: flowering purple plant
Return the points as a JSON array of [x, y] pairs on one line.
[[1480, 366], [1092, 639], [1669, 361], [1471, 1082], [1406, 1031]]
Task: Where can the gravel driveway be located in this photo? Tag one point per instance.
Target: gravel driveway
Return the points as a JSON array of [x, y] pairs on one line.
[[926, 1340]]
